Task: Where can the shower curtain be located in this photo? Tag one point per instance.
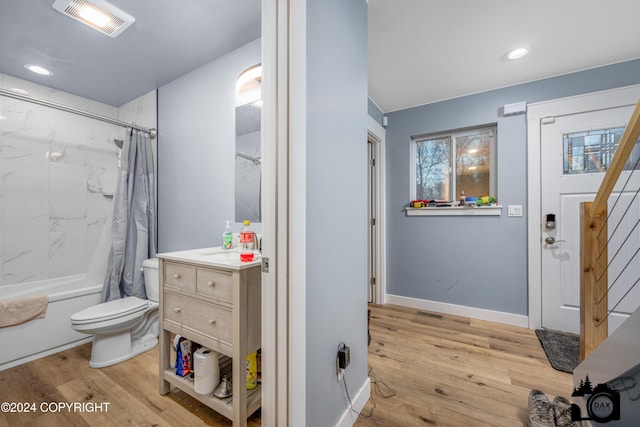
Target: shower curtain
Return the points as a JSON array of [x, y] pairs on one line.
[[133, 232]]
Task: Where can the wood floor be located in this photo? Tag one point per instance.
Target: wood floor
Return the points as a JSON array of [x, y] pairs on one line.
[[454, 371], [445, 370]]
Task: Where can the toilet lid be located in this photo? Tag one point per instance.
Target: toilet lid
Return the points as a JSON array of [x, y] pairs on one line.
[[109, 310]]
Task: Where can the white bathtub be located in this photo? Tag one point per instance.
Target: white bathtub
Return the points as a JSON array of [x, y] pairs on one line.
[[41, 337]]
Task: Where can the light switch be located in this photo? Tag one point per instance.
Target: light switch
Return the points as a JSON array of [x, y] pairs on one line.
[[514, 210]]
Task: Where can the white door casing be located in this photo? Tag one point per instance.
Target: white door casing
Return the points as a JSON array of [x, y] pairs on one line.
[[562, 195], [541, 179], [376, 134]]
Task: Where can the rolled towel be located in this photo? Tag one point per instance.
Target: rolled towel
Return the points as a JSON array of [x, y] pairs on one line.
[[17, 311]]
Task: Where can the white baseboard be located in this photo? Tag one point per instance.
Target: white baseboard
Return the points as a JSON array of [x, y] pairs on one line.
[[360, 399], [460, 310]]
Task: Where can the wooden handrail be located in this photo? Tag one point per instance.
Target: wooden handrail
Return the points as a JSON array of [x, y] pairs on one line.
[[620, 157]]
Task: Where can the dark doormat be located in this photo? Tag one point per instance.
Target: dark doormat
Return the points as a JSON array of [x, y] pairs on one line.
[[562, 349]]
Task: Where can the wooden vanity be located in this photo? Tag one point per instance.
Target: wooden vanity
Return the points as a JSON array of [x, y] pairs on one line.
[[211, 298]]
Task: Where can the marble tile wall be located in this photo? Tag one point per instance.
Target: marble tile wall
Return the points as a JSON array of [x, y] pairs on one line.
[[58, 173]]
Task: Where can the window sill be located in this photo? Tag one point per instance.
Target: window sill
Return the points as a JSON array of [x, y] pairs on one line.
[[456, 211]]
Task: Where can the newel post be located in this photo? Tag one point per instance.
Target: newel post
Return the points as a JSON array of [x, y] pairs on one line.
[[594, 326]]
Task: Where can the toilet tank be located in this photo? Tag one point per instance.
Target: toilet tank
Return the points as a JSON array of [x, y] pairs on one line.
[[151, 279]]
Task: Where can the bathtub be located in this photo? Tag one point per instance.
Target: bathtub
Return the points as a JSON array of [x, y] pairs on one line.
[[51, 334]]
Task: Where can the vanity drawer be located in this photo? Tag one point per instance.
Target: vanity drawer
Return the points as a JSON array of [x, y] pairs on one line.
[[180, 276], [215, 284], [208, 319]]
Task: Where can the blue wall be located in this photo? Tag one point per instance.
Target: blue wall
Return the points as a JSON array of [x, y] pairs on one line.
[[478, 262], [196, 152], [336, 204]]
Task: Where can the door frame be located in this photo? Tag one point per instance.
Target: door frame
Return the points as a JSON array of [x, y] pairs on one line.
[[376, 133], [594, 101]]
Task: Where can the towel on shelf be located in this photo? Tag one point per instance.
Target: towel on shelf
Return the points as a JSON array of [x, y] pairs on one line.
[[17, 311]]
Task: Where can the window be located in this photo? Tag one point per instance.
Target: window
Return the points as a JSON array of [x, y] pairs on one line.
[[592, 151], [446, 164]]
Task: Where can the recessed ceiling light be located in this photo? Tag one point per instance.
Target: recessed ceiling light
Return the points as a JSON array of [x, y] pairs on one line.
[[517, 53], [20, 91], [98, 14], [38, 70]]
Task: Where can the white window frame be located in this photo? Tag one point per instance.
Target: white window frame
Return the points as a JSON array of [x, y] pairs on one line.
[[453, 136]]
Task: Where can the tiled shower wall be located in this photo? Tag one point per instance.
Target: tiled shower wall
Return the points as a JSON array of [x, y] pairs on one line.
[[58, 173]]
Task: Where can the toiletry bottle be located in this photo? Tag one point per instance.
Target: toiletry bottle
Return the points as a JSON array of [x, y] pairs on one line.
[[227, 237], [463, 199], [247, 242], [252, 371]]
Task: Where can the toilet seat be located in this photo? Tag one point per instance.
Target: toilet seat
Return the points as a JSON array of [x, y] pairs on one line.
[[109, 310]]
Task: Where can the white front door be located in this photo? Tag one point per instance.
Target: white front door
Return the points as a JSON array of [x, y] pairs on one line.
[[575, 150]]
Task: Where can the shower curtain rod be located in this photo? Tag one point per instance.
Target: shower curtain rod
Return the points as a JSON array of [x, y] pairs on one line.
[[16, 95]]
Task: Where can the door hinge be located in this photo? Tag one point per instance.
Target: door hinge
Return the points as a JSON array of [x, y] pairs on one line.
[[265, 264], [372, 221], [372, 162], [372, 281]]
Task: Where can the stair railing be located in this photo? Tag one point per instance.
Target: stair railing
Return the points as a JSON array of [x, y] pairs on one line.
[[594, 246]]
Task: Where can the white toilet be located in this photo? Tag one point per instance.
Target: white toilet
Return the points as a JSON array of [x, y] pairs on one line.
[[122, 328]]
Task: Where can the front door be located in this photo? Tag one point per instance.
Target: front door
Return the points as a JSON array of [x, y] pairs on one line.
[[575, 152]]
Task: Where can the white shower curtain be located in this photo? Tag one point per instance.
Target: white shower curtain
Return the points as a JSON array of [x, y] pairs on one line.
[[133, 232]]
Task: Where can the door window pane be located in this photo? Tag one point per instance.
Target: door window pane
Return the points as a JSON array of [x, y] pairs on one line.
[[592, 151]]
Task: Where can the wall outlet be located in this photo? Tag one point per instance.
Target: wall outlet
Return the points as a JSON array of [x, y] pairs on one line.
[[342, 361]]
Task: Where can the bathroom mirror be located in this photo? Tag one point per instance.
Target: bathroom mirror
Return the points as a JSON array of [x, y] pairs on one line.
[[248, 161]]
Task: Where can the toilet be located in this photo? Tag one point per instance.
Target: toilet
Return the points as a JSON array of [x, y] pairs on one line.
[[125, 327]]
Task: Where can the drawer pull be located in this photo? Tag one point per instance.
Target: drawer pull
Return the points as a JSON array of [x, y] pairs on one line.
[[212, 322], [211, 283], [176, 276], [177, 309]]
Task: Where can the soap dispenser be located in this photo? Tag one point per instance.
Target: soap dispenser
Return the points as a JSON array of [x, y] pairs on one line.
[[227, 237]]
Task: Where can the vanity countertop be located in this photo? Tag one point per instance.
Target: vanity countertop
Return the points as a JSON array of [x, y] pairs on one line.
[[213, 257]]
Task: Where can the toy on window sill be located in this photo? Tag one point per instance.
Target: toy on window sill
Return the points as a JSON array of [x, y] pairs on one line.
[[485, 201], [425, 203]]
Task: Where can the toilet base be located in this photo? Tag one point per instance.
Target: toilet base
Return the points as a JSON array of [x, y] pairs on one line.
[[108, 350]]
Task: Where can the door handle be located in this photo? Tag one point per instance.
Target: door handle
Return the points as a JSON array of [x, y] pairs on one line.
[[551, 240]]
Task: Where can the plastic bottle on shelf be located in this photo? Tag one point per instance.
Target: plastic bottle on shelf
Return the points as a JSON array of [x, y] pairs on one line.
[[463, 199], [227, 237], [247, 242]]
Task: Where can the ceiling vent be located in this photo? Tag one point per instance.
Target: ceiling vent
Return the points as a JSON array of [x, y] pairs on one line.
[[97, 14]]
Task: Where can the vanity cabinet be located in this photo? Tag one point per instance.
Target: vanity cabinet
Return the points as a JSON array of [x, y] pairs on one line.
[[216, 303]]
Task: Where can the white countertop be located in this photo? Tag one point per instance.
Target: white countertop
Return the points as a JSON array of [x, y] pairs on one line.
[[213, 257]]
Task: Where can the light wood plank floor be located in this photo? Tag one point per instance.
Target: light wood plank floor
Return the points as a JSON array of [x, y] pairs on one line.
[[453, 371], [446, 371]]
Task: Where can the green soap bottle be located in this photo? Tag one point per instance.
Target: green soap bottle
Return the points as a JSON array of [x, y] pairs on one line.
[[227, 237]]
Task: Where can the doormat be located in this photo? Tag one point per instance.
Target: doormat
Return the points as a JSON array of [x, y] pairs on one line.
[[562, 349]]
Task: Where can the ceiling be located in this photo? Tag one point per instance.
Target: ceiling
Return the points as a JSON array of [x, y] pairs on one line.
[[423, 51], [168, 39], [420, 51]]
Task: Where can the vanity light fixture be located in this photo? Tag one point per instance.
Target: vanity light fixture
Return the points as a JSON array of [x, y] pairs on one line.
[[517, 53], [98, 14], [38, 69], [250, 78]]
